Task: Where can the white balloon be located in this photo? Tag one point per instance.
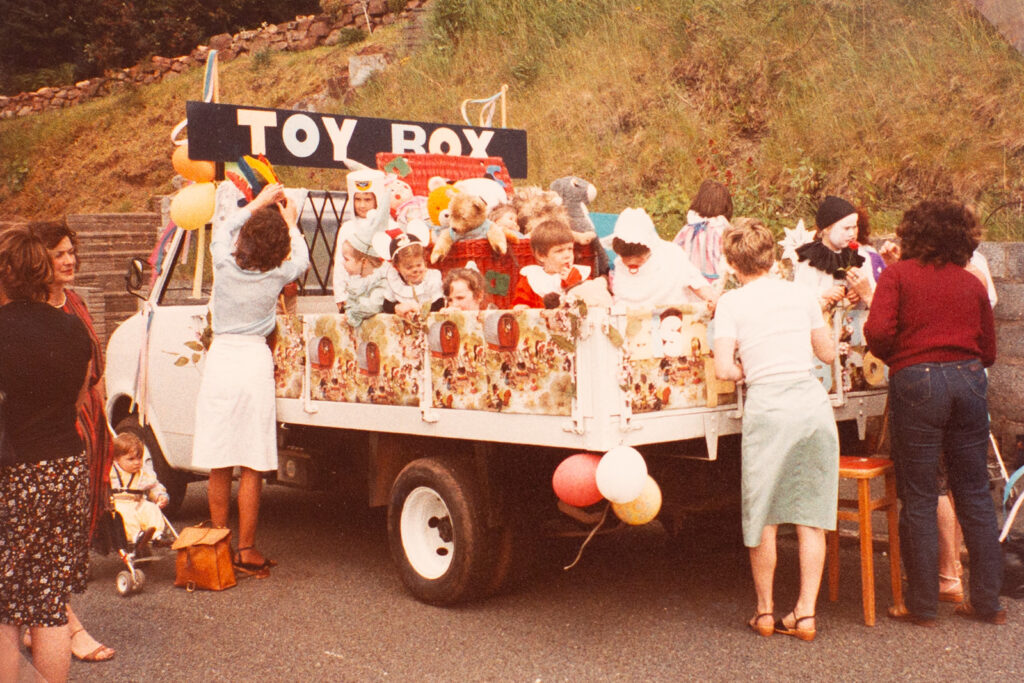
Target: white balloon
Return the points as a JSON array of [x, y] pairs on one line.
[[621, 474]]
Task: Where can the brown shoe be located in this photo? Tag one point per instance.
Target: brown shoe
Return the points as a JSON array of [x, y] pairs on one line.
[[900, 613], [997, 618], [758, 626]]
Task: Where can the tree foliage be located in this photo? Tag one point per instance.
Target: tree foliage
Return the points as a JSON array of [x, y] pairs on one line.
[[82, 38]]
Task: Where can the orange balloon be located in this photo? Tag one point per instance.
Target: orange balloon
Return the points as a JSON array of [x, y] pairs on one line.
[[196, 171]]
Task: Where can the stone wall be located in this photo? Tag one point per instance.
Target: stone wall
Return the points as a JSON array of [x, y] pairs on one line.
[[304, 33], [1006, 377], [106, 244], [1008, 18]]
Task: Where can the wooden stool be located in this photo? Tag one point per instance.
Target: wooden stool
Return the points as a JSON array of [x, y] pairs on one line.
[[865, 470]]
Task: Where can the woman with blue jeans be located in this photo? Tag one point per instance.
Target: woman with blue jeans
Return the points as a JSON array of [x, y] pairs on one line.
[[931, 323]]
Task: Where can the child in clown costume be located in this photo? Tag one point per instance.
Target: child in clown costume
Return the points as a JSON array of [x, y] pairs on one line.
[[830, 265]]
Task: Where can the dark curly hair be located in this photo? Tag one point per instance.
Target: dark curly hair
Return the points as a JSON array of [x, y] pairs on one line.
[[26, 268], [627, 249], [263, 241], [939, 232], [52, 232]]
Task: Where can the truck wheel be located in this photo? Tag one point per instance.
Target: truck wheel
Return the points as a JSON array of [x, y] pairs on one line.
[[437, 533], [174, 481]]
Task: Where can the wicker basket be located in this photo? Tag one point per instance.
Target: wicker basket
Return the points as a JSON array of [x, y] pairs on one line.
[[501, 273], [426, 166]]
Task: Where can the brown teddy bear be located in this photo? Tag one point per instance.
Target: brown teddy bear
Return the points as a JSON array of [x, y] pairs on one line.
[[467, 221]]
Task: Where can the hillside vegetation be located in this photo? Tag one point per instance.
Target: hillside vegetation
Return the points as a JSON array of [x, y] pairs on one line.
[[786, 100]]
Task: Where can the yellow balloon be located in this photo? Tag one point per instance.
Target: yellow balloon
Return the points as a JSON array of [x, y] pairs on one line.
[[196, 171], [193, 206], [642, 510]]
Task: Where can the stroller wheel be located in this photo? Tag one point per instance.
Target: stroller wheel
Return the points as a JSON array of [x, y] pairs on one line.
[[124, 583]]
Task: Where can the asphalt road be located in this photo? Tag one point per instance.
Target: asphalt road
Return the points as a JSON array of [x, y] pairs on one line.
[[634, 608]]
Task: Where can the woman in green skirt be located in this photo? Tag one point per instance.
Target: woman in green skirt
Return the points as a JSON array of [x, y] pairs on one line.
[[790, 451]]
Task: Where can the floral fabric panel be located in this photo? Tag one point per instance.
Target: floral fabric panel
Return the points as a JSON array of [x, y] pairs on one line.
[[666, 361], [381, 361], [861, 370], [289, 356], [510, 361]]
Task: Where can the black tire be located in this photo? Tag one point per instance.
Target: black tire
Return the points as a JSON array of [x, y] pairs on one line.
[[437, 531], [174, 481]]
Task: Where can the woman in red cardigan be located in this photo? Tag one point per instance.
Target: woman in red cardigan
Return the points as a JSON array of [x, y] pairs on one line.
[[931, 323]]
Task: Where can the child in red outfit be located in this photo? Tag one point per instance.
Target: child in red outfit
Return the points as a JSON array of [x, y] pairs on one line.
[[542, 285]]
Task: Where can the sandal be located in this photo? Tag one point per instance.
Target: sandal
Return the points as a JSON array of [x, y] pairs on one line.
[[102, 653], [755, 624], [258, 569], [955, 594], [805, 634]]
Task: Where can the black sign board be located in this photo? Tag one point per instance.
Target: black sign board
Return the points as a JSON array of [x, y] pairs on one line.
[[224, 132]]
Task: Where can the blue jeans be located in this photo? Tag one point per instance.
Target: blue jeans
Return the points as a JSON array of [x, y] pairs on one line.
[[940, 410]]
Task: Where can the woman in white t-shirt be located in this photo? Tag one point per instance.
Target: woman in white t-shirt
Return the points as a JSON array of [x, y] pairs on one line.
[[790, 447]]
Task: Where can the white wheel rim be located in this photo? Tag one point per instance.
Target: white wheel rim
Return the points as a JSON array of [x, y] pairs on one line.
[[425, 525], [123, 582]]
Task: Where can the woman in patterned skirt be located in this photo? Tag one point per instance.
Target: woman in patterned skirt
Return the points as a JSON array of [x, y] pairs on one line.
[[62, 243], [44, 366]]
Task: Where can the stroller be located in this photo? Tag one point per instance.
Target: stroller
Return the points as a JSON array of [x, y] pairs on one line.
[[1013, 544], [138, 550]]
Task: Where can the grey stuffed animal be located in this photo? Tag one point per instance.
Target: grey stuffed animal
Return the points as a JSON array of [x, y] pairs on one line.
[[576, 194]]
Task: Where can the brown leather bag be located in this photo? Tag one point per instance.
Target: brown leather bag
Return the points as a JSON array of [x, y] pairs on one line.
[[204, 558]]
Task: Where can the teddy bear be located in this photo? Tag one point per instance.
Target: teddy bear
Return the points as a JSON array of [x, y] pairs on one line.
[[576, 194], [467, 219], [441, 194]]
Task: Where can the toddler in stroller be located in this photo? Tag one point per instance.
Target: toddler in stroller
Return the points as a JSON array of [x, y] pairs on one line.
[[138, 500]]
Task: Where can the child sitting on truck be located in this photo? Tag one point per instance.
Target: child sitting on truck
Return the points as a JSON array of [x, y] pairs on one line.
[[137, 494], [464, 290], [543, 284], [650, 272], [706, 222], [365, 285], [366, 190], [410, 284], [830, 265]]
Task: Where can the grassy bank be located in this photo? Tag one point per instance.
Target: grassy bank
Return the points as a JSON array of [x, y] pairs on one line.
[[884, 103]]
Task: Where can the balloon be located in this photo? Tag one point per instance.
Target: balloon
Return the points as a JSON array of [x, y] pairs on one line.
[[196, 171], [621, 474], [644, 508], [193, 206], [574, 480]]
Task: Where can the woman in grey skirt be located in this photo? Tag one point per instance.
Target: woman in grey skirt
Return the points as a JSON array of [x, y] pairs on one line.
[[790, 451]]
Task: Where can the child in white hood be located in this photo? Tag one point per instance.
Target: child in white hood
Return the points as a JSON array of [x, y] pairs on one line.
[[651, 272]]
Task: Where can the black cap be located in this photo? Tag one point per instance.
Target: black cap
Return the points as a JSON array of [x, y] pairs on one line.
[[831, 210]]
